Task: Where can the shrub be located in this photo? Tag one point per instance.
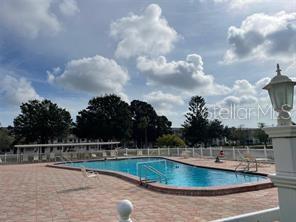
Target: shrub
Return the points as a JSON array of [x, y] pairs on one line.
[[170, 140]]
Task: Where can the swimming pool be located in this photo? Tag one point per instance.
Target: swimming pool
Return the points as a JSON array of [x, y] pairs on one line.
[[172, 173]]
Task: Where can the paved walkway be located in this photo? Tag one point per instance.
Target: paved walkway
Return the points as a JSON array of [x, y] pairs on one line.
[[34, 192]]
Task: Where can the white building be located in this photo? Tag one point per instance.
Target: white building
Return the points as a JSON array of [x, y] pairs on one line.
[[69, 144]]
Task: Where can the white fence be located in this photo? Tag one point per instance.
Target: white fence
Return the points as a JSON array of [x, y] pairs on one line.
[[230, 153], [267, 215], [125, 209]]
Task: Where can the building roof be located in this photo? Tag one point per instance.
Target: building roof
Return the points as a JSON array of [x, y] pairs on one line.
[[64, 144]]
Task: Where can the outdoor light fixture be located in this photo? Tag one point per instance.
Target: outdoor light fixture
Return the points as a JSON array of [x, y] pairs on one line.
[[281, 93]]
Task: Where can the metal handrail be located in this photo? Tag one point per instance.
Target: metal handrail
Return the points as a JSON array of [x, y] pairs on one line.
[[64, 159], [160, 174], [248, 160], [157, 172], [151, 161]]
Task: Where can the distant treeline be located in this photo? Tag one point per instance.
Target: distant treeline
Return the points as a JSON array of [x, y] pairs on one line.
[[110, 118]]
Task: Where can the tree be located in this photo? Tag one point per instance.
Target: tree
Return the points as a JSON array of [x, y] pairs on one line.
[[261, 135], [241, 135], [231, 134], [147, 125], [6, 139], [41, 121], [170, 140], [163, 126], [227, 132], [144, 122], [106, 117], [142, 125], [195, 125], [215, 130]]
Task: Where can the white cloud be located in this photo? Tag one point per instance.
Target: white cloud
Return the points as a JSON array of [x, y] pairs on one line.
[[96, 75], [164, 103], [261, 83], [239, 4], [249, 105], [242, 92], [243, 87], [15, 91], [239, 100], [29, 18], [68, 7], [245, 93], [147, 34], [263, 36], [186, 75]]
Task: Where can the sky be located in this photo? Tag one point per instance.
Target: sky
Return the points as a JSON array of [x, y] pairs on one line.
[[162, 52]]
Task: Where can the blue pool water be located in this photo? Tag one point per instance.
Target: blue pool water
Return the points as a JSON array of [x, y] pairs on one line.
[[177, 174]]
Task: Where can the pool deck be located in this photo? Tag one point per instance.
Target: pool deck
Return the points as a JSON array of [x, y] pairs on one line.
[[34, 192]]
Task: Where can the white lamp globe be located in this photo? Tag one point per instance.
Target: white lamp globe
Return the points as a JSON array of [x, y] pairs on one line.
[[281, 93]]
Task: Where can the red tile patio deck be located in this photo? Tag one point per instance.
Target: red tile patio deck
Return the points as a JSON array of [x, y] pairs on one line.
[[34, 192]]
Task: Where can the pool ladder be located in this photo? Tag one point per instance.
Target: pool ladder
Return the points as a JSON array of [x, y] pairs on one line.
[[160, 175], [246, 168], [63, 158]]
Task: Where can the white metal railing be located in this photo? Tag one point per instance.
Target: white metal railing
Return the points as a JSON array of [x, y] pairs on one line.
[[267, 215], [230, 153], [125, 209]]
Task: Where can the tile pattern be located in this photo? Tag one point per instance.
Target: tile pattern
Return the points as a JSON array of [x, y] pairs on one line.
[[34, 192]]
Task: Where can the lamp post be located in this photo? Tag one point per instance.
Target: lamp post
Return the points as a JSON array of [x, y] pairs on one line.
[[281, 93]]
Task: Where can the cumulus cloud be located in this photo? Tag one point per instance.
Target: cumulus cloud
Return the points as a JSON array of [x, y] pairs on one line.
[[239, 100], [97, 75], [243, 87], [261, 83], [245, 93], [263, 36], [29, 18], [186, 74], [164, 103], [146, 34], [251, 104], [15, 91], [242, 93], [68, 7]]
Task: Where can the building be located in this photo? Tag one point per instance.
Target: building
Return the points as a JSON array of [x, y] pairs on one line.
[[68, 144], [178, 131]]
